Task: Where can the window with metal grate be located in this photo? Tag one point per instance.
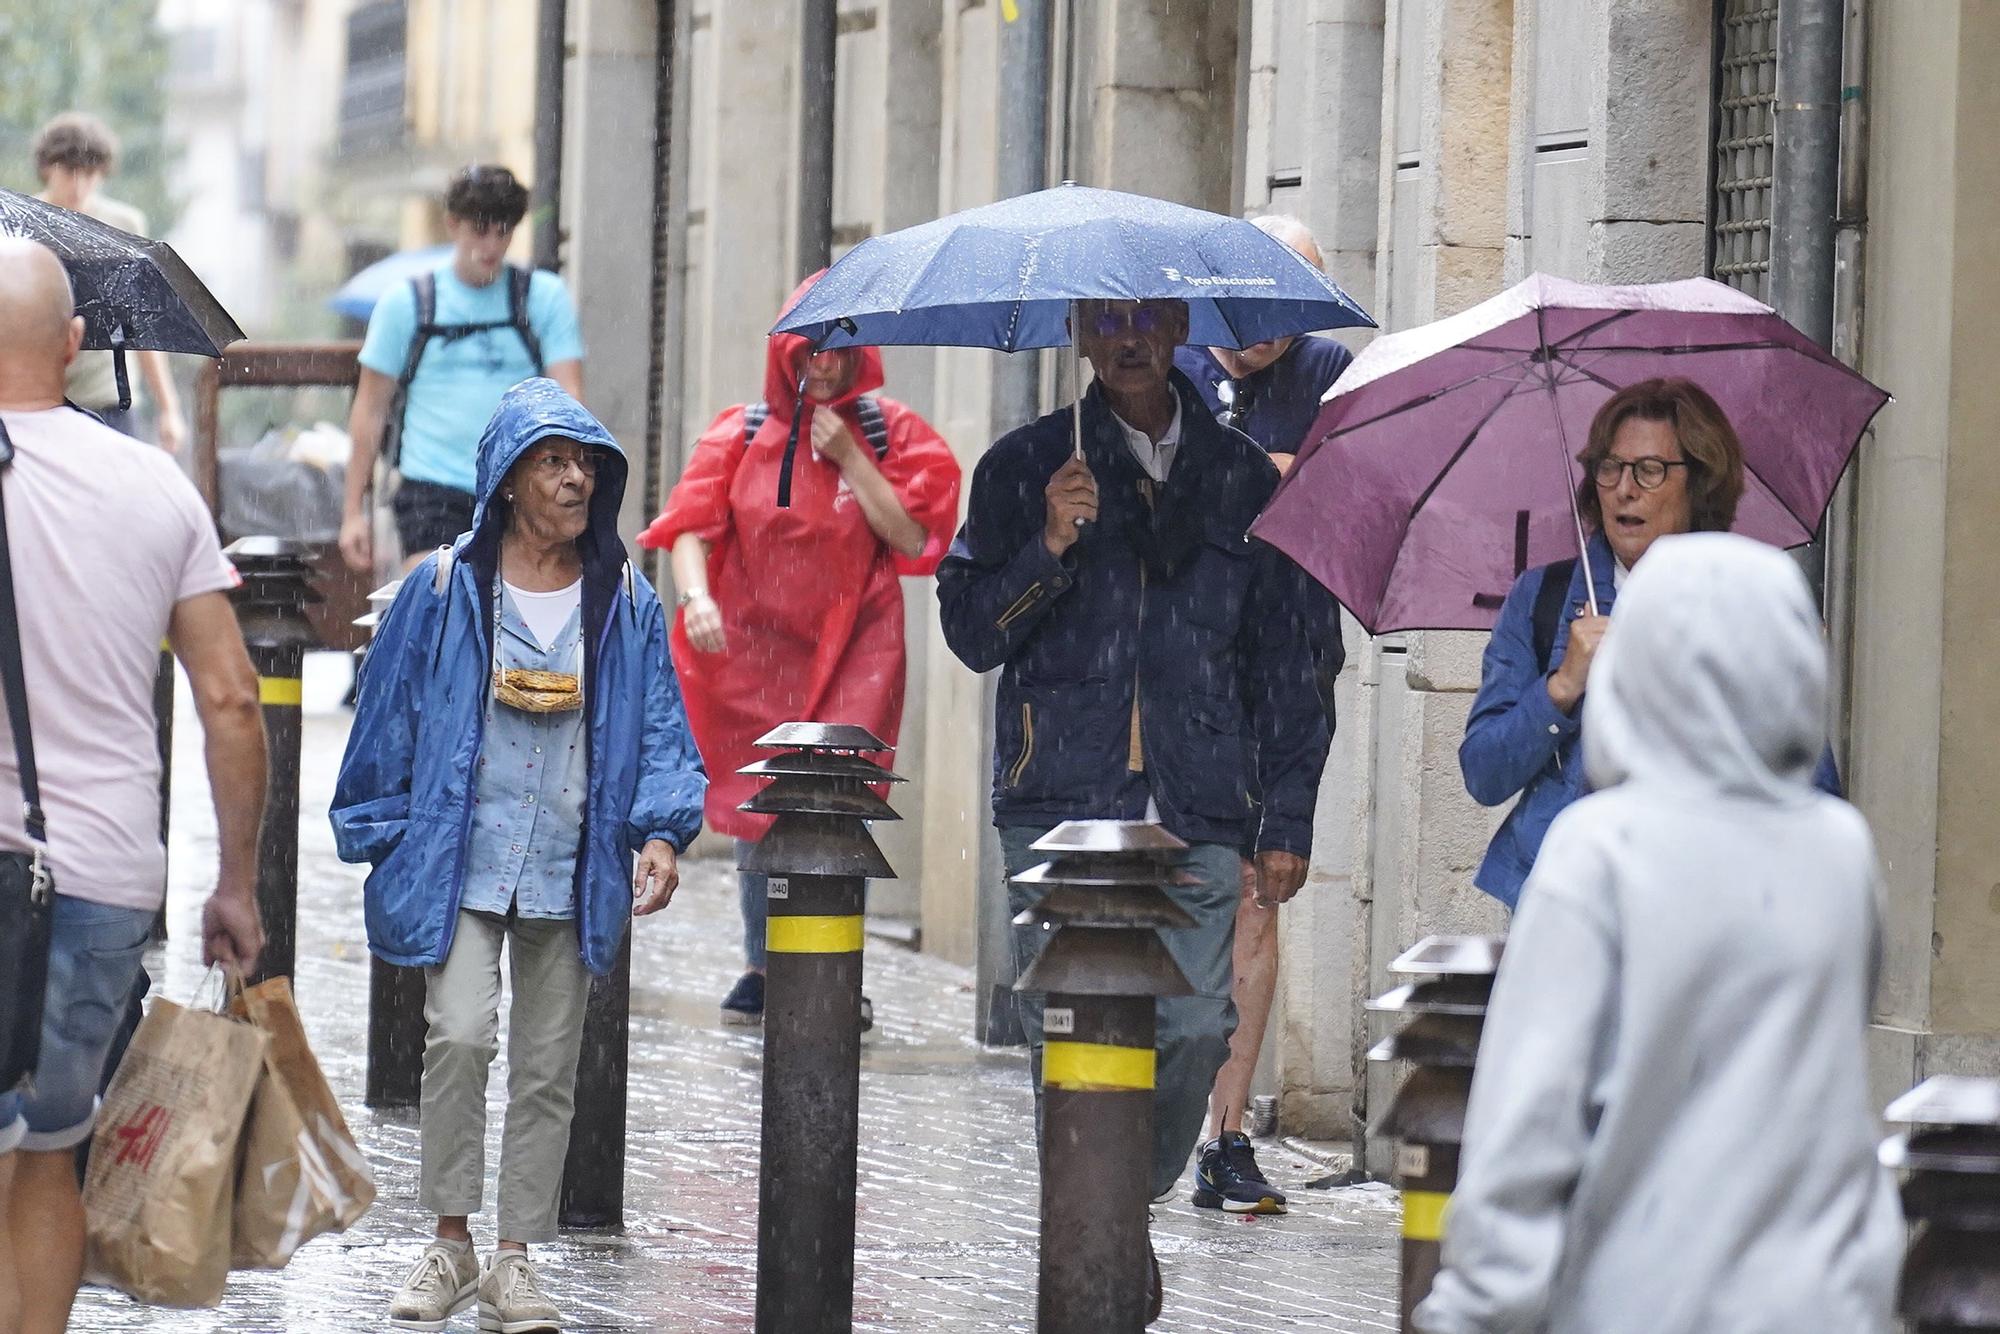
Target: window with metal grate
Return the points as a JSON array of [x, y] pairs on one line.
[[1739, 219]]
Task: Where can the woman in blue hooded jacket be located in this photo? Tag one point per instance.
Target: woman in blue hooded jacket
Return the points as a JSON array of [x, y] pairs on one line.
[[518, 738]]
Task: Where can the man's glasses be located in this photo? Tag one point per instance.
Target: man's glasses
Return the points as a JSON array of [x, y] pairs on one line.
[[1650, 473], [1139, 319]]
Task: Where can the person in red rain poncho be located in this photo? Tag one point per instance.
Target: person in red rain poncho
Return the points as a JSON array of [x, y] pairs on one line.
[[795, 614]]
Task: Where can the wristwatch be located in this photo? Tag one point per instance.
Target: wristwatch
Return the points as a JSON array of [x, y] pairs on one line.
[[681, 602]]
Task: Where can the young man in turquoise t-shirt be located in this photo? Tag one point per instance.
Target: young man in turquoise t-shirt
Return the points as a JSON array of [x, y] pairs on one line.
[[459, 379]]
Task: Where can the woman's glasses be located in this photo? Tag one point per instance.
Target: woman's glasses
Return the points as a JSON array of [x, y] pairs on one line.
[[1650, 473], [554, 466]]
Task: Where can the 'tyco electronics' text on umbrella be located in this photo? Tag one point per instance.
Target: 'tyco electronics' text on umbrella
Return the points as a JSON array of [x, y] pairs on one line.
[[1007, 276], [1443, 463], [133, 293]]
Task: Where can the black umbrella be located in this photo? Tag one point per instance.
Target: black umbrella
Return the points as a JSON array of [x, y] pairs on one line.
[[132, 293]]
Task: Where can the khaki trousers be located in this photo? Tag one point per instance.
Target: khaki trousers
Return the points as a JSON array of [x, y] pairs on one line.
[[544, 1035]]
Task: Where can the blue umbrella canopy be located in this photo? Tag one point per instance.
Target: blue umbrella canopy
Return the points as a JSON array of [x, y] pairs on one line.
[[358, 295], [1003, 276]]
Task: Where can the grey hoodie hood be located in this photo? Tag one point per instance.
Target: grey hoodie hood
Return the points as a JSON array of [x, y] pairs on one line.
[[1713, 674]]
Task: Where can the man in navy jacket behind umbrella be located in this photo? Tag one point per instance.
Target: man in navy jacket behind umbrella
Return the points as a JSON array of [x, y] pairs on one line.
[[1142, 637]]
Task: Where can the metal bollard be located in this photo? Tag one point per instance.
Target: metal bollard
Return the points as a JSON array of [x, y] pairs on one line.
[[270, 606], [819, 856], [395, 994], [593, 1181], [1102, 971], [1427, 1116], [1950, 1158]]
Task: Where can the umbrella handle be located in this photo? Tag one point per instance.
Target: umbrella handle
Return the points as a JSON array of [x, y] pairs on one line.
[[118, 368], [1076, 409]]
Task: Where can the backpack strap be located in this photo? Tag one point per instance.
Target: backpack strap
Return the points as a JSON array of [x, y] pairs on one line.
[[518, 282], [873, 425], [426, 285], [1548, 614]]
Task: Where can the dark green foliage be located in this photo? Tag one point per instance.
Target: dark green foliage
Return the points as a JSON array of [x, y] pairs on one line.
[[106, 57]]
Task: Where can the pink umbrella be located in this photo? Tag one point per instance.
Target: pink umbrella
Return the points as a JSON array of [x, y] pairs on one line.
[[1443, 463]]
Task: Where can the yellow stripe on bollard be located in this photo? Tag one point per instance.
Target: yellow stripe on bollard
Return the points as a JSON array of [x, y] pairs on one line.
[[1423, 1214], [280, 690], [1087, 1067], [813, 935]]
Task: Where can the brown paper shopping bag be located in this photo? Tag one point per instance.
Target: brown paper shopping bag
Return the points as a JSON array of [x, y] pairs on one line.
[[163, 1157], [302, 1174]]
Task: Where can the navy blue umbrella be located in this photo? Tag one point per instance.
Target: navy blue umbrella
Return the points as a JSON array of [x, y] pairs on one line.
[[1007, 275], [1003, 276]]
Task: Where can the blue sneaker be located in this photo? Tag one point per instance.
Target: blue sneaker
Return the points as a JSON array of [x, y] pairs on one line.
[[1227, 1178], [745, 1002]]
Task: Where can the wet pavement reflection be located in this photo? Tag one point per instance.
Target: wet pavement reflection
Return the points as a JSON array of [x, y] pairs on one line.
[[946, 1222]]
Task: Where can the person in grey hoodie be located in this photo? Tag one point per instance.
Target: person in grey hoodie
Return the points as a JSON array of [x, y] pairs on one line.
[[1670, 1127]]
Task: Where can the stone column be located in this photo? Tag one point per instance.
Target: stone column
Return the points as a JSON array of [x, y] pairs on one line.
[[608, 207], [1926, 651]]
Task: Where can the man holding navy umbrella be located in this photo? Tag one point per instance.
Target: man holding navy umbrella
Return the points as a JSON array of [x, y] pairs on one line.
[[1150, 656]]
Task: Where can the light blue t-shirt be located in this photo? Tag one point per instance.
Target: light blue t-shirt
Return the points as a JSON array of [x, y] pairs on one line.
[[459, 381]]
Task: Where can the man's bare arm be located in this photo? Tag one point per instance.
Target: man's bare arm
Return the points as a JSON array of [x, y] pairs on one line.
[[365, 423], [569, 374], [205, 637]]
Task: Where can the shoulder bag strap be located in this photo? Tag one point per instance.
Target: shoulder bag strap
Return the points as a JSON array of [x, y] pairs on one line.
[[13, 676]]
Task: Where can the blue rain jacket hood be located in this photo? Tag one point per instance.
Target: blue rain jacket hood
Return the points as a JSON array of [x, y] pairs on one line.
[[403, 802]]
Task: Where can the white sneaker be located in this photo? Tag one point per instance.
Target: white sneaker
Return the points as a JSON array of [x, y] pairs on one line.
[[443, 1283], [511, 1299]]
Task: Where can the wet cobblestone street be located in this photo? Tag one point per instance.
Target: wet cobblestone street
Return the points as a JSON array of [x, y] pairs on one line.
[[947, 1215]]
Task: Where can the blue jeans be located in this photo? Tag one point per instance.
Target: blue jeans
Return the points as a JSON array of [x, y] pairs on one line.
[[1191, 1035], [94, 955], [753, 890]]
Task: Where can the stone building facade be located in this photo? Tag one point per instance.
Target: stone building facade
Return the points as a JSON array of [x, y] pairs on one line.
[[1441, 149]]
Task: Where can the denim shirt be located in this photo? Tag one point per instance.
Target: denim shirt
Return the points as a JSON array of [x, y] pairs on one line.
[[528, 797]]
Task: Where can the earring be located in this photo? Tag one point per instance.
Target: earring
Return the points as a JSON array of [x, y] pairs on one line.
[[508, 497]]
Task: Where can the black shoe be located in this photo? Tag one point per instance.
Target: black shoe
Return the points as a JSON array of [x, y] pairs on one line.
[[1156, 1292], [867, 1014], [745, 1002], [1228, 1179]]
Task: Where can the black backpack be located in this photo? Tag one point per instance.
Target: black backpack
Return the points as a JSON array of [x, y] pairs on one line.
[[518, 280], [873, 425]]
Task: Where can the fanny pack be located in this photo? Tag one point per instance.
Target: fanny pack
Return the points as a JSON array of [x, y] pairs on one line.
[[27, 888]]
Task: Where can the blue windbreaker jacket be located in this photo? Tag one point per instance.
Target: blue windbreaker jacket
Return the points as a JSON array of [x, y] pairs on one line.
[[1142, 661], [1518, 741], [404, 798]]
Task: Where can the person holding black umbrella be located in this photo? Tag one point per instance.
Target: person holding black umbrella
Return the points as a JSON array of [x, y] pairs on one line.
[[74, 153], [1146, 648]]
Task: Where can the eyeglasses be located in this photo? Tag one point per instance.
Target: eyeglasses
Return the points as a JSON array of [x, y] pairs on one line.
[[554, 466], [1650, 473], [1140, 319]]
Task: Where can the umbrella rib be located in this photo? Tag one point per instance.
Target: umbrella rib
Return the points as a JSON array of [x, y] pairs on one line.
[[1589, 329], [1526, 386], [1683, 351], [1418, 402]]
